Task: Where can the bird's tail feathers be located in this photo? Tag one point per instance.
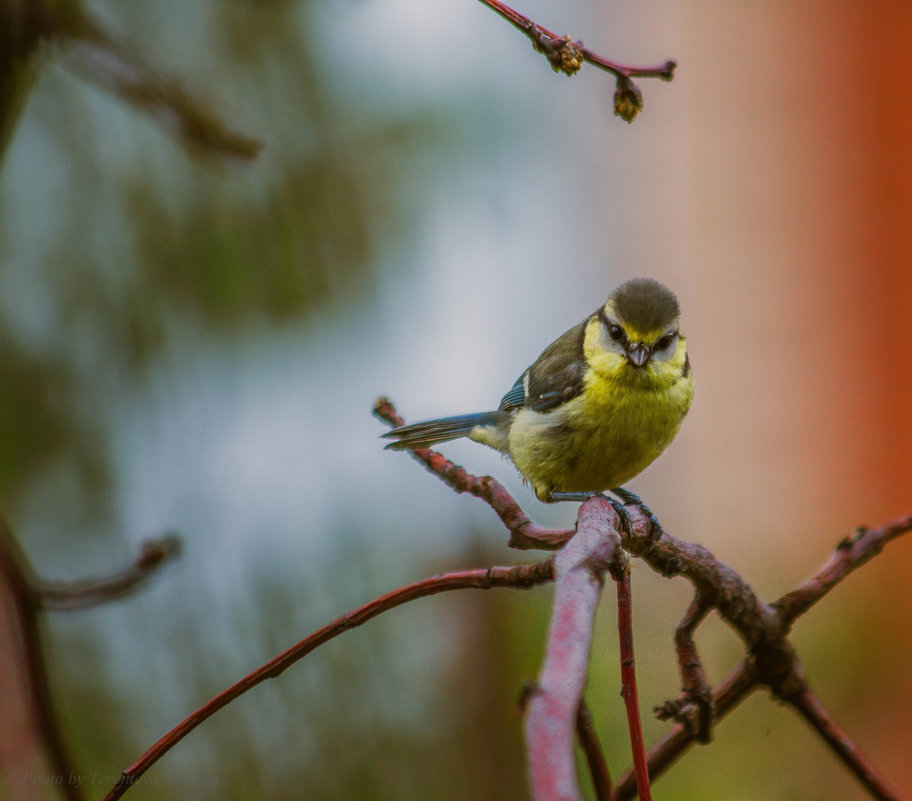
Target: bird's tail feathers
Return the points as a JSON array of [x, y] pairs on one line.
[[423, 435]]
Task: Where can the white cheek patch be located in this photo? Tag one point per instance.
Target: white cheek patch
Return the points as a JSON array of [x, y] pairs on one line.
[[668, 353]]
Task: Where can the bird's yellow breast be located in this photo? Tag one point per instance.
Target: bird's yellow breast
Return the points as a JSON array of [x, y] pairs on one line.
[[621, 421]]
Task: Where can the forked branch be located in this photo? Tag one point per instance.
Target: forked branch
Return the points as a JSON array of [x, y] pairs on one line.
[[26, 596], [764, 627]]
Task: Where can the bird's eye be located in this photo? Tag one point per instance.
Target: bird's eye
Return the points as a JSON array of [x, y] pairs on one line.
[[664, 341], [616, 333]]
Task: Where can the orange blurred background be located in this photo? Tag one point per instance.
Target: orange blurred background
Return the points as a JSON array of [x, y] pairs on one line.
[[800, 159]]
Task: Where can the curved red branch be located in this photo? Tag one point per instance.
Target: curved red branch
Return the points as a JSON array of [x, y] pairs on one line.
[[518, 576]]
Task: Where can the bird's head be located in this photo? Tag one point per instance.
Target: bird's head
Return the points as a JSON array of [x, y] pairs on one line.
[[635, 329]]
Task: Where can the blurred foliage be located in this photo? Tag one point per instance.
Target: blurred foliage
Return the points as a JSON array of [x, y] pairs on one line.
[[135, 242], [123, 253], [32, 417], [307, 246]]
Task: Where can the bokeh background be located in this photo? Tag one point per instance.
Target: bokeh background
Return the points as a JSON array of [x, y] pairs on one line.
[[195, 346]]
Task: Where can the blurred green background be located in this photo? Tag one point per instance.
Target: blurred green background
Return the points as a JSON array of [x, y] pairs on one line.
[[195, 345]]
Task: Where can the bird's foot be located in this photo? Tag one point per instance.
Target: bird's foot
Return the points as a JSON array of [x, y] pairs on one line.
[[580, 497], [655, 527]]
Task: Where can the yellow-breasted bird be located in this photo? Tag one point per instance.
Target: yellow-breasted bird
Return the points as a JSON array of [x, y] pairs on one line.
[[596, 408]]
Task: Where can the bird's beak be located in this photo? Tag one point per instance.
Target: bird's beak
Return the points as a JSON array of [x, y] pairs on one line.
[[638, 354]]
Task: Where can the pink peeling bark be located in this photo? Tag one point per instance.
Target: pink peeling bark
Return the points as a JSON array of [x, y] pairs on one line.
[[551, 720]]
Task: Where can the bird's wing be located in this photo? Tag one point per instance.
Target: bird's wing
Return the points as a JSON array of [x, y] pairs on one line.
[[554, 378]]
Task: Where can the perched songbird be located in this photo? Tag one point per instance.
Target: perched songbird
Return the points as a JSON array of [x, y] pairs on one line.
[[596, 408]]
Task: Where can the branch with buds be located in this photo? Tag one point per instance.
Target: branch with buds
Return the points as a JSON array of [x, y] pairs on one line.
[[568, 57]]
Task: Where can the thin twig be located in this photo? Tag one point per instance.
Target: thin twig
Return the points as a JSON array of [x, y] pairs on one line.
[[813, 711], [524, 534], [568, 57], [693, 707], [629, 685], [592, 750], [30, 595], [536, 32], [851, 553], [77, 595], [726, 696], [517, 576]]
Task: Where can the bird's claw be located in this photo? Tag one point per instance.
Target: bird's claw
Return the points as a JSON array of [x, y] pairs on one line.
[[655, 527], [626, 521]]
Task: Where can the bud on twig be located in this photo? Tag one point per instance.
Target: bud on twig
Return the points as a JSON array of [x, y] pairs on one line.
[[563, 55], [628, 99]]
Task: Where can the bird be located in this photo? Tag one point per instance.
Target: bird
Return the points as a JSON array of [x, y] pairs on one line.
[[595, 409]]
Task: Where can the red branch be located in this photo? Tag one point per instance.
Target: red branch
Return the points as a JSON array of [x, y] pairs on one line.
[[518, 576], [764, 627], [629, 685], [851, 553], [665, 71], [726, 696], [815, 714]]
